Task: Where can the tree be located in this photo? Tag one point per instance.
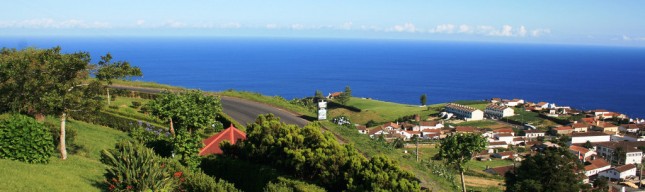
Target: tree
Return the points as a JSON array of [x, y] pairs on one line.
[[318, 96], [108, 71], [424, 99], [190, 110], [458, 149], [587, 145], [554, 169], [345, 96], [45, 81]]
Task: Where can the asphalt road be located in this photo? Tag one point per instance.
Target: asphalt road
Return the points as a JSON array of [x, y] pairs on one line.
[[243, 111]]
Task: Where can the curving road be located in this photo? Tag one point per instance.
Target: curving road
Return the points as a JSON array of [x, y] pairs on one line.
[[243, 111]]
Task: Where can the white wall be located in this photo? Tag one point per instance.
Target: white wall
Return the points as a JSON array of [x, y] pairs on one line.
[[602, 138]]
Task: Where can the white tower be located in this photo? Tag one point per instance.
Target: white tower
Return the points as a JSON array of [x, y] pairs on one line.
[[322, 110]]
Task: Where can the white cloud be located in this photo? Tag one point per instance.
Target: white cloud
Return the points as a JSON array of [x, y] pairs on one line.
[[628, 38], [272, 26], [48, 23], [231, 25], [174, 24], [444, 28], [522, 31], [465, 29], [346, 26], [140, 22], [407, 27], [540, 32]]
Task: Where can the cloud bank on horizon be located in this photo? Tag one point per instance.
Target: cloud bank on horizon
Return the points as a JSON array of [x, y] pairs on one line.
[[577, 22]]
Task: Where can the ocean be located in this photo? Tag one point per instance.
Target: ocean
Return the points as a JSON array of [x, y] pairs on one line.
[[584, 77]]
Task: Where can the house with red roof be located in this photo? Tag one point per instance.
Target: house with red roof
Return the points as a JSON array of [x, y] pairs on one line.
[[212, 144], [581, 152], [620, 172], [596, 166], [563, 130]]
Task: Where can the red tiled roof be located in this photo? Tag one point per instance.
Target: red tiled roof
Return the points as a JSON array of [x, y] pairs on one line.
[[533, 131], [336, 94], [506, 130], [582, 150], [504, 135], [542, 103], [465, 129], [579, 125], [374, 130], [390, 124], [588, 120], [429, 123], [211, 144], [502, 170], [361, 127], [625, 168], [587, 134], [600, 162], [563, 128], [600, 111], [506, 153], [497, 143]]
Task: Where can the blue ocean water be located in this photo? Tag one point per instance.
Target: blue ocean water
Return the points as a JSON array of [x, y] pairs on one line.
[[585, 77]]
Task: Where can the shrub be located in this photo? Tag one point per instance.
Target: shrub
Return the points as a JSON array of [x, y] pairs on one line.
[[114, 107], [133, 167], [24, 139], [288, 185], [198, 181], [136, 104]]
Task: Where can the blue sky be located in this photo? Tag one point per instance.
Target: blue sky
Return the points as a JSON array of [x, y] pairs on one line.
[[566, 22]]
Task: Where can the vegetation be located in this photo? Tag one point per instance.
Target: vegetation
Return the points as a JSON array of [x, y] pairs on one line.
[[458, 149], [24, 139], [134, 167], [108, 71], [345, 96], [306, 153], [554, 169], [82, 171], [288, 185], [381, 111], [190, 110], [424, 99], [275, 101]]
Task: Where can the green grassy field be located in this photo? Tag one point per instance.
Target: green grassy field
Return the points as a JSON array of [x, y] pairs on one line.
[[146, 84], [381, 111], [80, 172], [273, 101]]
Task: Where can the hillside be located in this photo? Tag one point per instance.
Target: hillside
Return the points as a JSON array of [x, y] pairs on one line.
[[82, 171]]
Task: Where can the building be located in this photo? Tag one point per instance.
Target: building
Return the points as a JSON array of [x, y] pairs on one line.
[[211, 144], [362, 129], [431, 134], [423, 125], [466, 129], [564, 130], [596, 166], [533, 133], [500, 170], [631, 150], [505, 137], [579, 127], [497, 144], [465, 112], [581, 152], [498, 111], [505, 155], [620, 172], [605, 127], [592, 137], [631, 128]]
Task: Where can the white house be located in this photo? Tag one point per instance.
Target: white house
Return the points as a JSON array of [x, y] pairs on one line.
[[580, 127], [498, 111], [423, 125], [465, 112], [431, 134], [505, 137], [592, 137], [581, 152], [542, 105], [631, 128], [497, 144], [632, 153], [620, 172], [596, 166], [362, 129], [409, 134], [504, 155], [534, 133]]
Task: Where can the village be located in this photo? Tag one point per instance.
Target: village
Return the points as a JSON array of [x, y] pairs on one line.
[[609, 144]]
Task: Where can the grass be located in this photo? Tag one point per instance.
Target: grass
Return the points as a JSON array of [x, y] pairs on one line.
[[80, 172], [532, 118], [146, 84], [381, 111]]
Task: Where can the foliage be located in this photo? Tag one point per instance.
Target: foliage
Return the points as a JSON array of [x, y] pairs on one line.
[[371, 123], [187, 146], [308, 154], [444, 171], [133, 167], [554, 169], [341, 120], [587, 145], [308, 103], [398, 143], [424, 99], [345, 96], [198, 181], [108, 71], [136, 104], [237, 171], [318, 96], [288, 185], [24, 139], [458, 149], [190, 110]]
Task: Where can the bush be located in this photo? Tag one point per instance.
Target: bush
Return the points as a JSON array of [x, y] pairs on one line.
[[133, 167], [198, 181], [288, 185], [136, 104], [114, 107], [24, 139]]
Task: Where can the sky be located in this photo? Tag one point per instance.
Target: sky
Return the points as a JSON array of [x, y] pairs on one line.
[[595, 22]]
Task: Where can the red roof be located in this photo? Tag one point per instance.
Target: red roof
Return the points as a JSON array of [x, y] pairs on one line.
[[211, 144], [467, 129]]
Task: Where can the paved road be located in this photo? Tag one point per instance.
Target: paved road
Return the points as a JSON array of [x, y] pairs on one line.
[[243, 111]]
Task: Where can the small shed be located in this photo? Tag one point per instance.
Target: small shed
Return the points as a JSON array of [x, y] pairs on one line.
[[211, 144]]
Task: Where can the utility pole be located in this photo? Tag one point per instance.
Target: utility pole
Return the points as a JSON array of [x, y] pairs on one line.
[[417, 140]]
